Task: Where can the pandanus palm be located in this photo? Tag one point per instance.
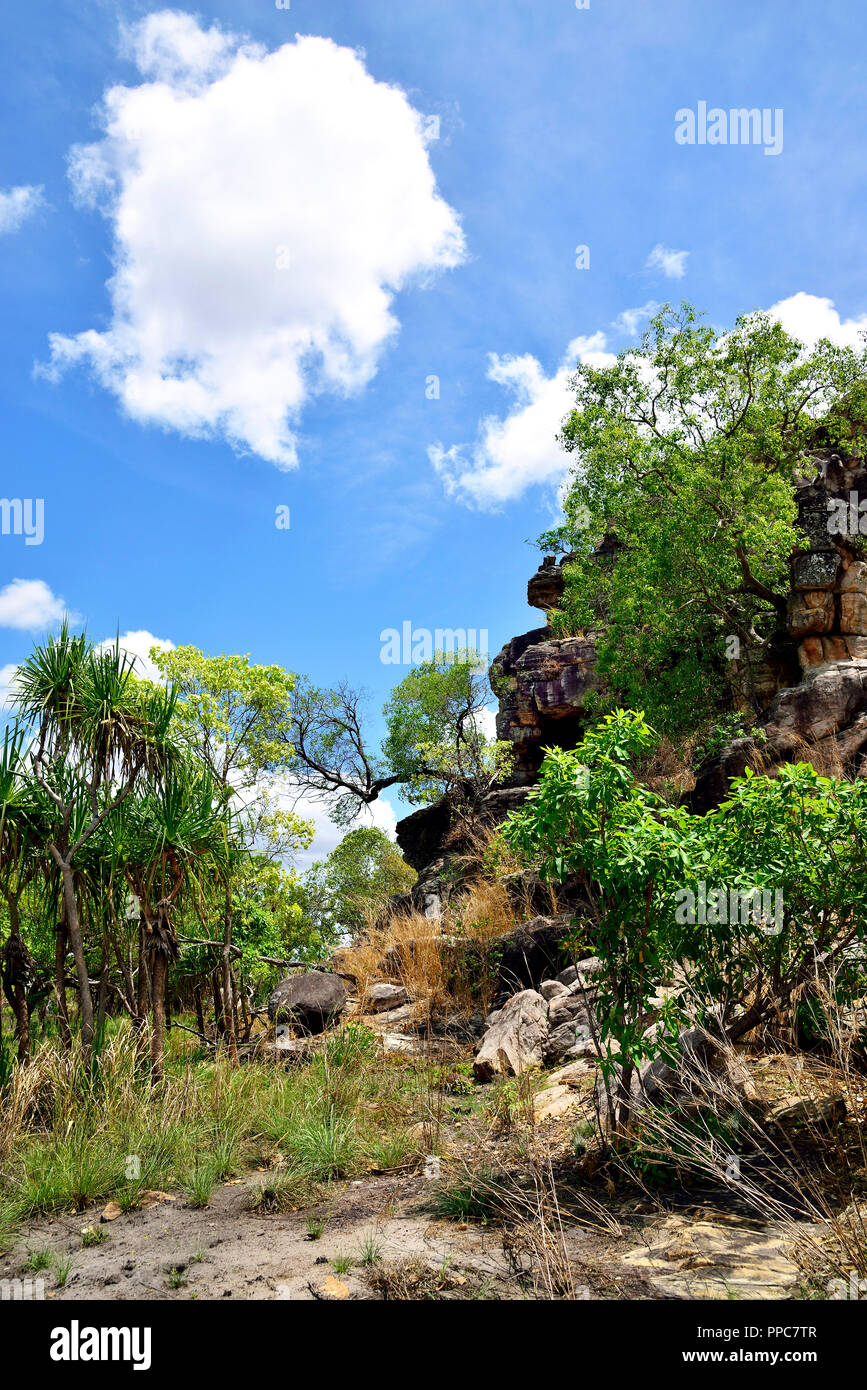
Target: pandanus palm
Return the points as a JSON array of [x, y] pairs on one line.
[[178, 835], [20, 859], [95, 733]]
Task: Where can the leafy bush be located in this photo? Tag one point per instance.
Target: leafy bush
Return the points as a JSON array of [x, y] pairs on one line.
[[668, 889]]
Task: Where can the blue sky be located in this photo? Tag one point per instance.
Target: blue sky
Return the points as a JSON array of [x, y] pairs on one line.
[[408, 257]]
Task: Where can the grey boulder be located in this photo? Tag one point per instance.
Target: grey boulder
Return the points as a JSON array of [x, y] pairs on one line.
[[311, 1001]]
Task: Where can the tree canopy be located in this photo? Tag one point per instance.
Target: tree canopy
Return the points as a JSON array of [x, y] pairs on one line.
[[685, 451]]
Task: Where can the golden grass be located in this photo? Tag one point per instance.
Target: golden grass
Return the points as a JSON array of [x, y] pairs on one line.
[[441, 961]]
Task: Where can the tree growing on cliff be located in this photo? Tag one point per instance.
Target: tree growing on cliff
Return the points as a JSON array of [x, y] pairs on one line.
[[686, 448], [434, 740]]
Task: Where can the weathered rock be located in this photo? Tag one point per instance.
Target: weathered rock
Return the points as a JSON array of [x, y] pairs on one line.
[[541, 684], [811, 611], [550, 989], [311, 1000], [381, 998], [566, 1043], [547, 585], [702, 1259], [826, 714], [535, 951], [555, 1102], [516, 1041], [704, 1072], [822, 1112]]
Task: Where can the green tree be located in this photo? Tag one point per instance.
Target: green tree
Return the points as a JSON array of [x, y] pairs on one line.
[[236, 718], [434, 742], [96, 732], [686, 449], [349, 889], [784, 857]]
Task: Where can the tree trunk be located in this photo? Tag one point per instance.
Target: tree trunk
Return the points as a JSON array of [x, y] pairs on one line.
[[60, 941], [200, 1016], [85, 997], [17, 968], [142, 983], [228, 982], [218, 1004], [159, 975]]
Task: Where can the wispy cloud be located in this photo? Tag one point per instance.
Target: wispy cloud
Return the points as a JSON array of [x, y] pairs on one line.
[[17, 204], [671, 263]]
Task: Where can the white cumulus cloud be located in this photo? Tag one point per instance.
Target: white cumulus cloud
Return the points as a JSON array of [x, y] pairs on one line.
[[809, 317], [138, 645], [519, 450], [671, 263], [17, 204], [29, 604], [266, 207]]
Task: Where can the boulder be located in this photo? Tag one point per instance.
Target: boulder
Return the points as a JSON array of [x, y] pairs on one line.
[[688, 1259], [516, 1041], [566, 1043], [704, 1071], [310, 1001], [550, 989], [381, 998], [821, 1112]]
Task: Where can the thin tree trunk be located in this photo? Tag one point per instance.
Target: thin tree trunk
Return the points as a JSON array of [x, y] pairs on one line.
[[60, 942], [159, 975], [142, 982], [200, 1015], [228, 982], [17, 962], [85, 998], [218, 1004]]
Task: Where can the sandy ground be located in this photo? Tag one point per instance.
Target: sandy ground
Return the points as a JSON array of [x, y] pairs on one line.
[[174, 1251]]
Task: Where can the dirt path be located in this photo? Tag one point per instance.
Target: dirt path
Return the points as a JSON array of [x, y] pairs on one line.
[[229, 1252]]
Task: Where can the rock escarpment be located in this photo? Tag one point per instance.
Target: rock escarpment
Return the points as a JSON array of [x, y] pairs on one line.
[[541, 682], [822, 718], [810, 681]]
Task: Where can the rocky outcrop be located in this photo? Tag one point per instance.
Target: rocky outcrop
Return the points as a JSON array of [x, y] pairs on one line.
[[515, 1039], [547, 586], [703, 1073], [823, 718], [532, 953], [542, 681], [310, 1001], [433, 838], [548, 1026]]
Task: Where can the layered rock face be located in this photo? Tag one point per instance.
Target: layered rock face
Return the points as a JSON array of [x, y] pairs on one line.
[[810, 683], [823, 717], [541, 682]]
